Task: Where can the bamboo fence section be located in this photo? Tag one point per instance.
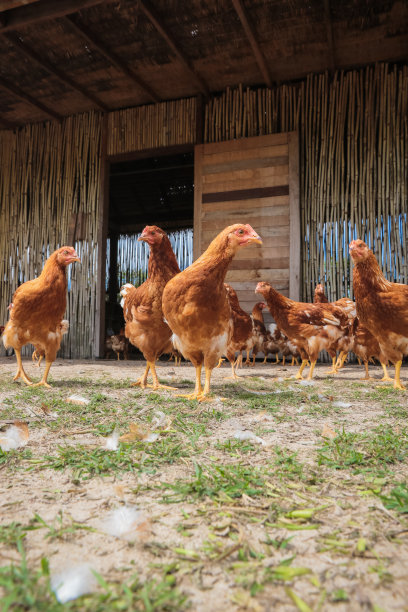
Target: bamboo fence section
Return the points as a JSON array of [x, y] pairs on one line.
[[353, 131], [152, 126], [47, 173]]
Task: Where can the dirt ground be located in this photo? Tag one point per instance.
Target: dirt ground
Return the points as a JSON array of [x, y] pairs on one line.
[[308, 515]]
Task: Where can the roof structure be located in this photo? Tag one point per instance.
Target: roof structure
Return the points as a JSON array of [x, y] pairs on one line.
[[62, 57]]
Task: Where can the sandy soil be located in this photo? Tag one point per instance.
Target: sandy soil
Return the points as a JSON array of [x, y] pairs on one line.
[[376, 576]]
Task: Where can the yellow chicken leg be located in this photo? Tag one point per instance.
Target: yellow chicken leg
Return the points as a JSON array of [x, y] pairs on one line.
[[334, 366], [198, 388], [204, 396], [43, 381], [367, 375], [277, 360], [142, 381], [20, 370], [299, 375], [386, 377], [397, 381], [312, 367], [234, 375], [156, 385]]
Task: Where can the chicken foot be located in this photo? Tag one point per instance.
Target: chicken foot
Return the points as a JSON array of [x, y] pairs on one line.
[[340, 361], [198, 388], [294, 361], [367, 375], [142, 381], [386, 377], [299, 375], [334, 366], [397, 381], [20, 370], [312, 367], [277, 360], [43, 381], [265, 360], [234, 375]]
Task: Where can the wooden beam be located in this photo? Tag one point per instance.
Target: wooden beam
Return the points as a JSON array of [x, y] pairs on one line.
[[59, 74], [7, 125], [329, 34], [101, 237], [158, 24], [41, 11], [114, 59], [250, 33], [19, 93], [294, 210]]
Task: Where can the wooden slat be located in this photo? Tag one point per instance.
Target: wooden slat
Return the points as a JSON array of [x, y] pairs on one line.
[[255, 177], [267, 213], [259, 262], [256, 152], [245, 164], [245, 194], [281, 232], [198, 161], [242, 144], [260, 203], [259, 223], [257, 275]]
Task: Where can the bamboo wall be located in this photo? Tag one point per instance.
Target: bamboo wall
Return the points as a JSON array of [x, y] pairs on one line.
[[47, 173], [152, 126], [353, 163]]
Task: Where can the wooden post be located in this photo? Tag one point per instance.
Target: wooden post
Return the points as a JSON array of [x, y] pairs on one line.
[[294, 209], [102, 234]]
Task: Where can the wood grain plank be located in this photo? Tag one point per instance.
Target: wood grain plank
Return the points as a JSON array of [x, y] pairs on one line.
[[256, 221], [282, 200], [244, 164], [259, 177], [258, 274], [239, 211], [259, 263], [225, 156], [241, 144], [229, 194]]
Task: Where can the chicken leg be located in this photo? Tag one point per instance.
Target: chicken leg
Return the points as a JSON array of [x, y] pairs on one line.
[[334, 366], [299, 375], [386, 377], [142, 381], [397, 381], [43, 381], [367, 375], [20, 371], [156, 385], [234, 375], [198, 388], [312, 367]]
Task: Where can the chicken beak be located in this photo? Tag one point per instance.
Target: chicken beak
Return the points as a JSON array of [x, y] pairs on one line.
[[142, 238], [255, 239], [74, 258]]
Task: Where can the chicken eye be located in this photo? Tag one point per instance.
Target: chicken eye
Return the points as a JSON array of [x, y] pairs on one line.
[[153, 233], [65, 253], [241, 231]]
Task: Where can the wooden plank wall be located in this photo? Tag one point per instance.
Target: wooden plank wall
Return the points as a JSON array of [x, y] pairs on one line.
[[248, 181]]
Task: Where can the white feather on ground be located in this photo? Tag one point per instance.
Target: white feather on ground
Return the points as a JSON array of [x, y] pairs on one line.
[[112, 442], [73, 582], [14, 437], [127, 523], [250, 436]]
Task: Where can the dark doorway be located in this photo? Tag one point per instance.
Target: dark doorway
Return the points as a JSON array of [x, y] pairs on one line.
[[150, 191]]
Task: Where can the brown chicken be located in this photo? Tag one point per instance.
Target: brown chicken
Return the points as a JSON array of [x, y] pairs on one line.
[[382, 306], [196, 305], [142, 306], [313, 327], [242, 328], [349, 309], [39, 354], [319, 295], [36, 312], [259, 333]]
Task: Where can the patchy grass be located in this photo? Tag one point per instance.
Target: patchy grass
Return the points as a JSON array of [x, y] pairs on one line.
[[301, 521]]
